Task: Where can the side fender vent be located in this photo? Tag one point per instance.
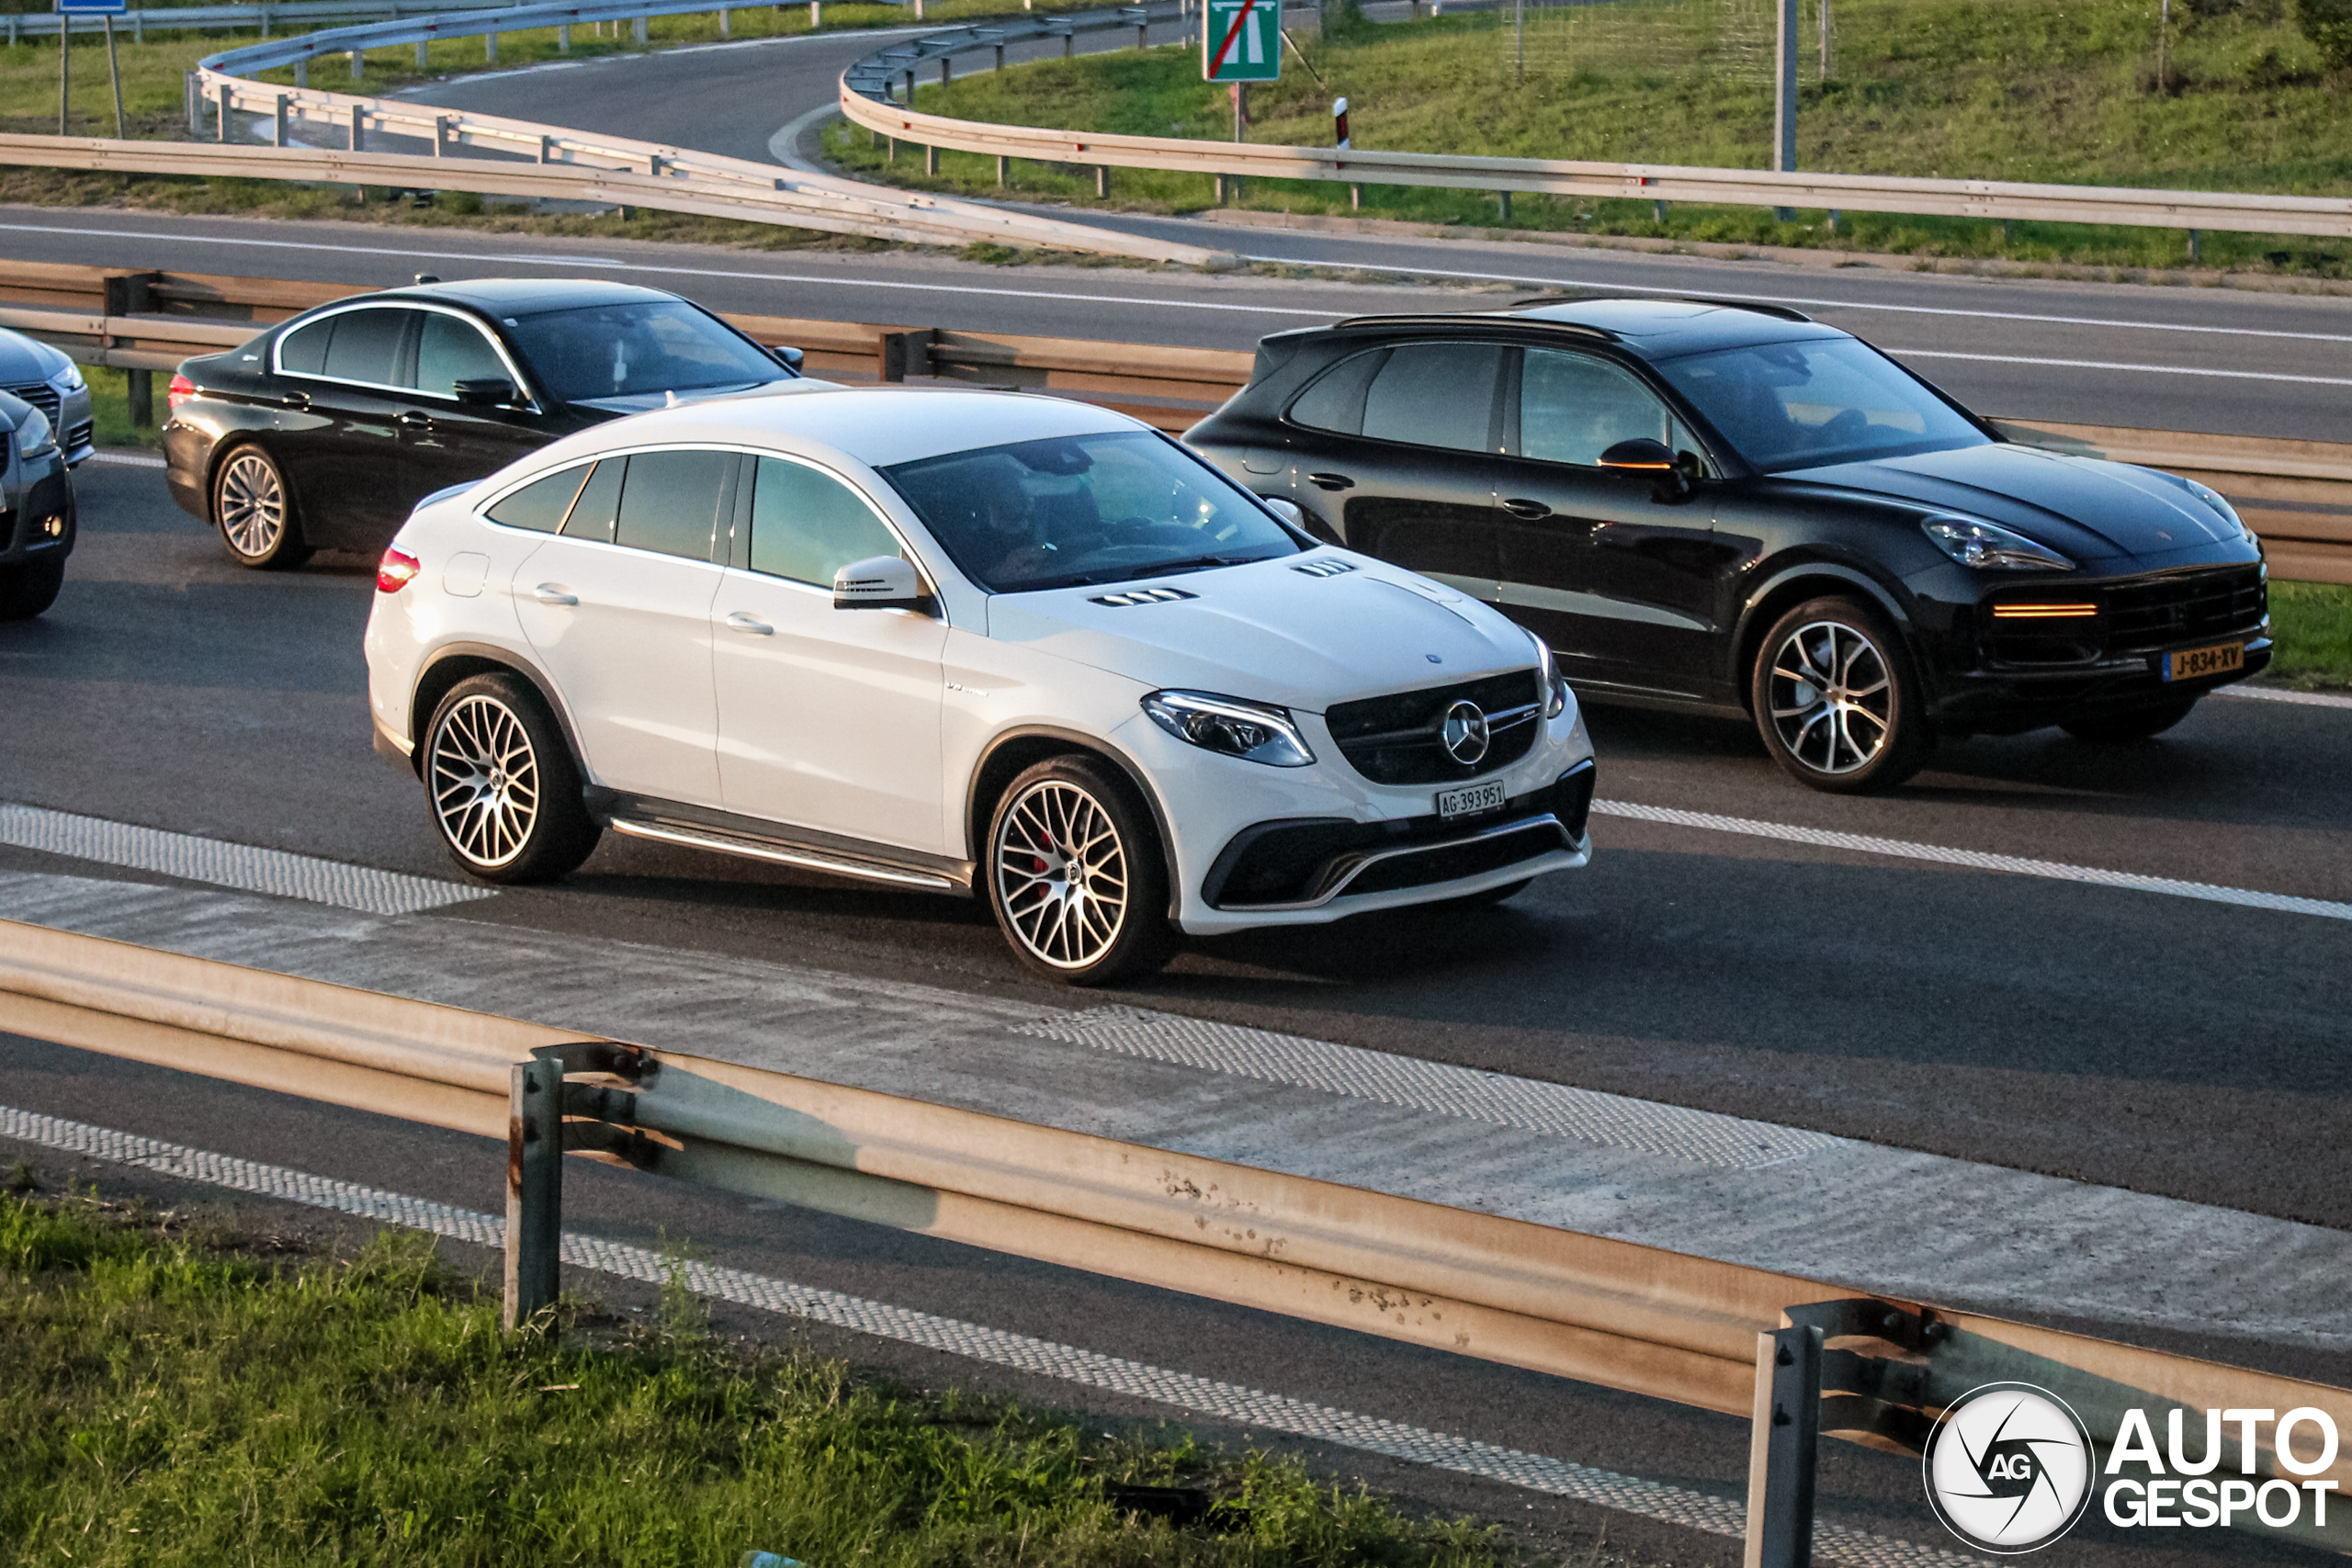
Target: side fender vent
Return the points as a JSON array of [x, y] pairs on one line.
[[1141, 596]]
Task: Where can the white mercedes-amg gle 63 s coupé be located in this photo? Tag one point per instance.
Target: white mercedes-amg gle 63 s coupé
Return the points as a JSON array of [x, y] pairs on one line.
[[980, 643]]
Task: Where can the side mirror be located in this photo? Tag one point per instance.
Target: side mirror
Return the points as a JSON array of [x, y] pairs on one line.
[[879, 582], [1287, 510], [485, 392], [789, 357], [1652, 459]]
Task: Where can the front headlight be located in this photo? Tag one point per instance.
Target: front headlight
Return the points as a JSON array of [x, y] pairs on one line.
[[1253, 731], [1555, 685], [1990, 547], [34, 438], [68, 380]]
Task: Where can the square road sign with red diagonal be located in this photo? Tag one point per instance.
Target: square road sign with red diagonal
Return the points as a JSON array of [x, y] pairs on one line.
[[1243, 41]]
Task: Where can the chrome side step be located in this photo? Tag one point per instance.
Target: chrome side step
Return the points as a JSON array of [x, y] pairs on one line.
[[782, 854]]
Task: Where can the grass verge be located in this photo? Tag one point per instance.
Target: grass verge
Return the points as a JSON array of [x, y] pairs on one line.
[[1992, 89], [2310, 624], [174, 1395]]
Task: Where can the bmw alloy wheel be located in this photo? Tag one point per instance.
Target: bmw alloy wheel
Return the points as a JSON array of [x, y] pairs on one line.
[[252, 505], [1061, 874], [485, 782], [1831, 697]]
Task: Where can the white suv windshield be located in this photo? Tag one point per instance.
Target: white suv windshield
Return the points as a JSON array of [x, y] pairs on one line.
[[1085, 508], [1809, 404]]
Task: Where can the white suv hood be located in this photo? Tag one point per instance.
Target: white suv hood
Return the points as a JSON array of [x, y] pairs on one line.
[[1270, 633]]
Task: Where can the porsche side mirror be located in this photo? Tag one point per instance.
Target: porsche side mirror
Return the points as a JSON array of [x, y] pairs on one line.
[[1651, 459], [879, 582], [485, 392]]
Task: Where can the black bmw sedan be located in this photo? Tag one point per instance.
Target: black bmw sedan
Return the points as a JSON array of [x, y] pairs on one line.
[[325, 430], [1734, 509]]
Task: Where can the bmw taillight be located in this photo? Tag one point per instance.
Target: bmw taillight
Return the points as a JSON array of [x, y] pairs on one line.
[[179, 391], [396, 571]]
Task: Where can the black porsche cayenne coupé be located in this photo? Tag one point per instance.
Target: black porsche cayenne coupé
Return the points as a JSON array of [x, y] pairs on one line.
[[1733, 508], [322, 431]]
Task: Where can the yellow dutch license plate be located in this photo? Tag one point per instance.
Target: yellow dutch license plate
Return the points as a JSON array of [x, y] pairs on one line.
[[2195, 663]]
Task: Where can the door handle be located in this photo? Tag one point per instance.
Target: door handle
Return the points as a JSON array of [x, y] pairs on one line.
[[411, 418], [1519, 506], [1332, 481], [554, 594], [298, 398], [751, 625]]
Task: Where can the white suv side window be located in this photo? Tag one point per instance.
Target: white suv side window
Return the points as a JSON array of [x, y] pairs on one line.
[[806, 525]]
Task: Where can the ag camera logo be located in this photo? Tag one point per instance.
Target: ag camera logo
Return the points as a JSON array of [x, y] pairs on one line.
[[2009, 1468]]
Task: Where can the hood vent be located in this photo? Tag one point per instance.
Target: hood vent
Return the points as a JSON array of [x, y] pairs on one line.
[[1142, 596], [1328, 567]]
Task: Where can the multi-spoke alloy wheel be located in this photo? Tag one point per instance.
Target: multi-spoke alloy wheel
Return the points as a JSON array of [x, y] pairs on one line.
[[485, 782], [255, 516], [1074, 874], [1834, 698], [503, 789]]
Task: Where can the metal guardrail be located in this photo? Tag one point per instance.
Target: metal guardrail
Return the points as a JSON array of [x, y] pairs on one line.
[[865, 99], [2296, 494], [207, 19], [1692, 1330]]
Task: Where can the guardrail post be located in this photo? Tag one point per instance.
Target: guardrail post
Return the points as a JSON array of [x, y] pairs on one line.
[[278, 132], [534, 1188], [301, 73], [637, 31], [420, 53], [547, 149], [358, 129], [1102, 181], [816, 15], [490, 44], [1003, 171], [726, 21], [1784, 101], [141, 397], [226, 110], [931, 161], [900, 354], [563, 38], [359, 63], [1782, 1448], [1000, 55], [946, 69], [189, 94]]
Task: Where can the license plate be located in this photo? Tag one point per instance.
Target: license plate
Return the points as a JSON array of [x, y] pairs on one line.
[[1469, 800], [2189, 664]]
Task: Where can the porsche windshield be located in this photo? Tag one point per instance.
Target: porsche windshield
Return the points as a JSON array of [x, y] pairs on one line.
[[611, 351], [1809, 404], [1085, 508]]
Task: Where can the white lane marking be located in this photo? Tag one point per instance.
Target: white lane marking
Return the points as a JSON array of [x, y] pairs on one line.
[[225, 864], [126, 459], [673, 271], [2274, 694], [1585, 1115], [1821, 304], [2058, 871], [1249, 1407], [2112, 364]]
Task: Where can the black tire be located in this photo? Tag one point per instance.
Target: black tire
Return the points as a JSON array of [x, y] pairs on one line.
[[502, 784], [1109, 924], [2131, 723], [27, 590], [253, 508], [1860, 725]]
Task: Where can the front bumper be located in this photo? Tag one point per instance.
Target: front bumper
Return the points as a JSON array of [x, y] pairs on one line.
[[37, 513]]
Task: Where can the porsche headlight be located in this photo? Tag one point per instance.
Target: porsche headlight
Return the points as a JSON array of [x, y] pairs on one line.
[[1991, 547], [1555, 685], [34, 438], [1255, 732]]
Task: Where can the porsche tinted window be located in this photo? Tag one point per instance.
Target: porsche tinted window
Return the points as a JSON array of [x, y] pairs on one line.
[[606, 351], [1573, 407], [1434, 394], [670, 502], [1335, 401], [365, 346], [806, 525], [1805, 404], [540, 505]]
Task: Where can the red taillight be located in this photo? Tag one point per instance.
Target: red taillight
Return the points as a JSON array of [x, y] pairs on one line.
[[179, 391], [396, 571]]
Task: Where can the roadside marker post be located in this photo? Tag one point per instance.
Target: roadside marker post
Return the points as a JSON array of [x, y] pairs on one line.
[[107, 11]]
